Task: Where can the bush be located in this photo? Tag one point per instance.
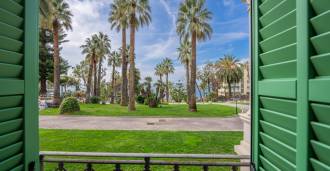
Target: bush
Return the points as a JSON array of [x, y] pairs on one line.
[[140, 99], [69, 105], [153, 102], [95, 100]]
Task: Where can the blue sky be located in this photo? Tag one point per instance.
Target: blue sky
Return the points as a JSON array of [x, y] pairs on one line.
[[159, 40]]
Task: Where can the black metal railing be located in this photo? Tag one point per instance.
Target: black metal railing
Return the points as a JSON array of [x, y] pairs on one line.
[[177, 161]]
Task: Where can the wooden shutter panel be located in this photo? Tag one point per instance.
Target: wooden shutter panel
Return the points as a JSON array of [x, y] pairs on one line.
[[291, 85], [18, 84]]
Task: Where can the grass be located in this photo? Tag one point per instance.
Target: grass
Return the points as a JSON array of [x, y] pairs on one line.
[[171, 110], [137, 142]]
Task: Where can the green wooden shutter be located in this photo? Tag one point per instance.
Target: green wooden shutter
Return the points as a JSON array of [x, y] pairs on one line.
[[18, 84], [291, 85]]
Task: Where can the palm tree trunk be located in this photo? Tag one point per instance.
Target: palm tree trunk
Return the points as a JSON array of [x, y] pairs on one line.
[[113, 84], [43, 86], [95, 76], [167, 89], [124, 95], [208, 86], [131, 104], [98, 87], [89, 81], [56, 98], [188, 81], [229, 87], [192, 105]]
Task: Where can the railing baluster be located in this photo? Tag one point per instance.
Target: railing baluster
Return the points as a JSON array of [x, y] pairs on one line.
[[176, 168], [147, 164], [205, 168], [60, 167], [89, 167], [41, 159], [234, 168], [117, 167]]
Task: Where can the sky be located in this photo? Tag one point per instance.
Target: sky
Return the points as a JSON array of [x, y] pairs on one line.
[[159, 39]]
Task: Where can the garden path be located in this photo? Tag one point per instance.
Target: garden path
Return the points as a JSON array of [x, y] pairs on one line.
[[141, 123]]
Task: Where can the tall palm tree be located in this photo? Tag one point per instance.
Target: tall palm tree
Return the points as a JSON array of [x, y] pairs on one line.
[[90, 49], [60, 18], [147, 83], [103, 50], [114, 61], [192, 23], [229, 71], [168, 69], [184, 57], [160, 71], [139, 12], [118, 19]]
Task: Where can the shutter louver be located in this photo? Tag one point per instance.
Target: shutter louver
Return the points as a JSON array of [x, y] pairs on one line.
[[319, 94], [12, 85]]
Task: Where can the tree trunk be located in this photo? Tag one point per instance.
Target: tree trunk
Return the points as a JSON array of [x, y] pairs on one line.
[[89, 81], [113, 84], [208, 86], [43, 86], [124, 95], [229, 87], [167, 90], [57, 71], [192, 105], [188, 81], [131, 105], [98, 87], [95, 77]]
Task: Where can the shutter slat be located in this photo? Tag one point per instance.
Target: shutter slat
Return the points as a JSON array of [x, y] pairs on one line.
[[284, 88], [276, 159], [282, 54], [279, 10], [279, 40], [12, 162], [279, 105], [321, 113], [318, 23], [10, 71], [10, 31], [10, 19], [319, 166], [321, 131], [285, 136], [268, 165], [268, 5], [321, 43], [285, 69], [12, 87], [10, 126], [10, 44], [320, 6], [12, 138], [10, 113], [10, 101], [11, 150], [283, 120], [321, 64], [11, 6], [319, 90], [322, 151], [10, 57]]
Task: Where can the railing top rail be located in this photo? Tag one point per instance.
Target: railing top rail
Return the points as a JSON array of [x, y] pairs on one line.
[[144, 155]]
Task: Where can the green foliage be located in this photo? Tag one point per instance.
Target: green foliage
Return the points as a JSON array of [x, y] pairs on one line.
[[153, 101], [95, 100], [178, 92], [212, 97], [69, 105], [140, 99]]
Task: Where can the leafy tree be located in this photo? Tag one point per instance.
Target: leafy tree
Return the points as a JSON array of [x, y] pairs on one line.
[[229, 71], [168, 69], [114, 60], [178, 92], [192, 23], [139, 15], [119, 20], [60, 17]]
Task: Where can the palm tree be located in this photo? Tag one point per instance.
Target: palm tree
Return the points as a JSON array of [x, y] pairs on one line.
[[118, 19], [147, 83], [60, 18], [139, 15], [114, 61], [184, 57], [168, 69], [90, 50], [160, 71], [229, 71], [103, 50], [192, 23]]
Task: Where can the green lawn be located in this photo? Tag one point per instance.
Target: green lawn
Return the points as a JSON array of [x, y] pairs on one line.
[[138, 142], [171, 110]]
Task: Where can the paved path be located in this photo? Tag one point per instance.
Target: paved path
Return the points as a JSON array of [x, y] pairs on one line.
[[139, 123]]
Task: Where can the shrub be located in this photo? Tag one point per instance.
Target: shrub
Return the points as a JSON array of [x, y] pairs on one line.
[[95, 100], [140, 99], [69, 105], [153, 102]]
